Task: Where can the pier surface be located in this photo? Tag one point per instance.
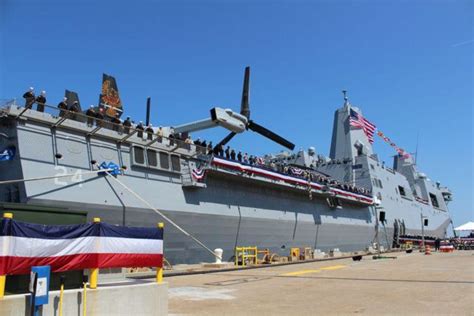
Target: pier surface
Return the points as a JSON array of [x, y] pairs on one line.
[[437, 284]]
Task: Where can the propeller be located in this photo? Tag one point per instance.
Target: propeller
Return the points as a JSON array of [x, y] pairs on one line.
[[245, 111]]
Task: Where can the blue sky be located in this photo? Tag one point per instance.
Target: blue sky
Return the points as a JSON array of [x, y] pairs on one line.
[[407, 64]]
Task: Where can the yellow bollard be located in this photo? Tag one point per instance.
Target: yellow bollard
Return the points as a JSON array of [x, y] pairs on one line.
[[94, 273], [3, 278], [159, 270], [61, 295]]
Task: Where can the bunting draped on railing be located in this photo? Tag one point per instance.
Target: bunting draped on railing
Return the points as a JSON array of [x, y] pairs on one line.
[[77, 247], [198, 173], [399, 150], [235, 165]]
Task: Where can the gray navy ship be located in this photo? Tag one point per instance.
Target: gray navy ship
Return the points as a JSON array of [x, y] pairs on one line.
[[278, 201]]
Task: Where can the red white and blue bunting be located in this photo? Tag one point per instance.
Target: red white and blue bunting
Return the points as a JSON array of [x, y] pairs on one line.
[[77, 247], [235, 165], [198, 173]]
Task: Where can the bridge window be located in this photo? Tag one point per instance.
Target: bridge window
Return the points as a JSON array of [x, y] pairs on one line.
[[434, 200], [164, 161], [139, 155], [152, 158], [175, 163], [402, 190]]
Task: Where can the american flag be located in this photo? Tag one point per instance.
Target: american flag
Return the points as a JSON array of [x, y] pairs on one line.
[[357, 120]]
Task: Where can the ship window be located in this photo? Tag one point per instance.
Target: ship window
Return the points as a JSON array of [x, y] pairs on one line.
[[380, 183], [164, 161], [175, 163], [402, 190], [434, 200], [139, 155], [372, 166], [152, 158]]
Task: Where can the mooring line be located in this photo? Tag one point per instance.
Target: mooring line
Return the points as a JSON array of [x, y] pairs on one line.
[[164, 216]]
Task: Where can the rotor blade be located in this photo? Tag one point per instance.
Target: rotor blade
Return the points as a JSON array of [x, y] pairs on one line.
[[269, 134], [244, 105], [226, 139]]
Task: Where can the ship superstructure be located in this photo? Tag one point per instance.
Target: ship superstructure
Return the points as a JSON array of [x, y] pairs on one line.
[[277, 201]]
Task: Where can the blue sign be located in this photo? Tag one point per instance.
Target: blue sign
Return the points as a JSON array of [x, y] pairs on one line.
[[8, 154], [42, 284]]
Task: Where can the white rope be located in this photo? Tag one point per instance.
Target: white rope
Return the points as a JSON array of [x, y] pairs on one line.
[[54, 177], [164, 216]]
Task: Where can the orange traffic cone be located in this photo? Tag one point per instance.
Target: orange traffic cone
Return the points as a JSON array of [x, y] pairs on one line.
[[427, 250]]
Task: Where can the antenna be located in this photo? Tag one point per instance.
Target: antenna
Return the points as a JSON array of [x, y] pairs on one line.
[[346, 99], [148, 105], [416, 150]]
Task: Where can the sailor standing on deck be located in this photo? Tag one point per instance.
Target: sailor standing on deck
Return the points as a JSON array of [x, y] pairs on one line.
[[209, 148], [227, 152], [126, 125], [29, 97], [74, 109], [100, 117], [41, 101], [232, 154], [203, 147], [116, 123], [149, 132], [62, 106], [246, 158], [140, 129], [239, 156], [159, 134], [90, 115]]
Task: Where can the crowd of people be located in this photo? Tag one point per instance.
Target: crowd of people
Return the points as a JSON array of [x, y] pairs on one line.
[[275, 165], [93, 116]]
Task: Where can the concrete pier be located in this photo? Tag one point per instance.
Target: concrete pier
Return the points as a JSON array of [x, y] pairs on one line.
[[140, 298], [441, 283]]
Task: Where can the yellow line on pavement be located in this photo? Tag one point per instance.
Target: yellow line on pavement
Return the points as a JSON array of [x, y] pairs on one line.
[[300, 272], [334, 267]]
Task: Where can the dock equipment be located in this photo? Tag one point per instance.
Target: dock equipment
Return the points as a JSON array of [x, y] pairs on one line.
[[243, 254], [295, 254]]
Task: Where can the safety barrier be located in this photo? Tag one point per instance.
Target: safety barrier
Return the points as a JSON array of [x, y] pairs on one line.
[[242, 254], [65, 248]]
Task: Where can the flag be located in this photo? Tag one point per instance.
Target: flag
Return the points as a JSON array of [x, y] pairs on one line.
[[401, 152], [7, 154], [198, 174], [357, 120], [77, 247]]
